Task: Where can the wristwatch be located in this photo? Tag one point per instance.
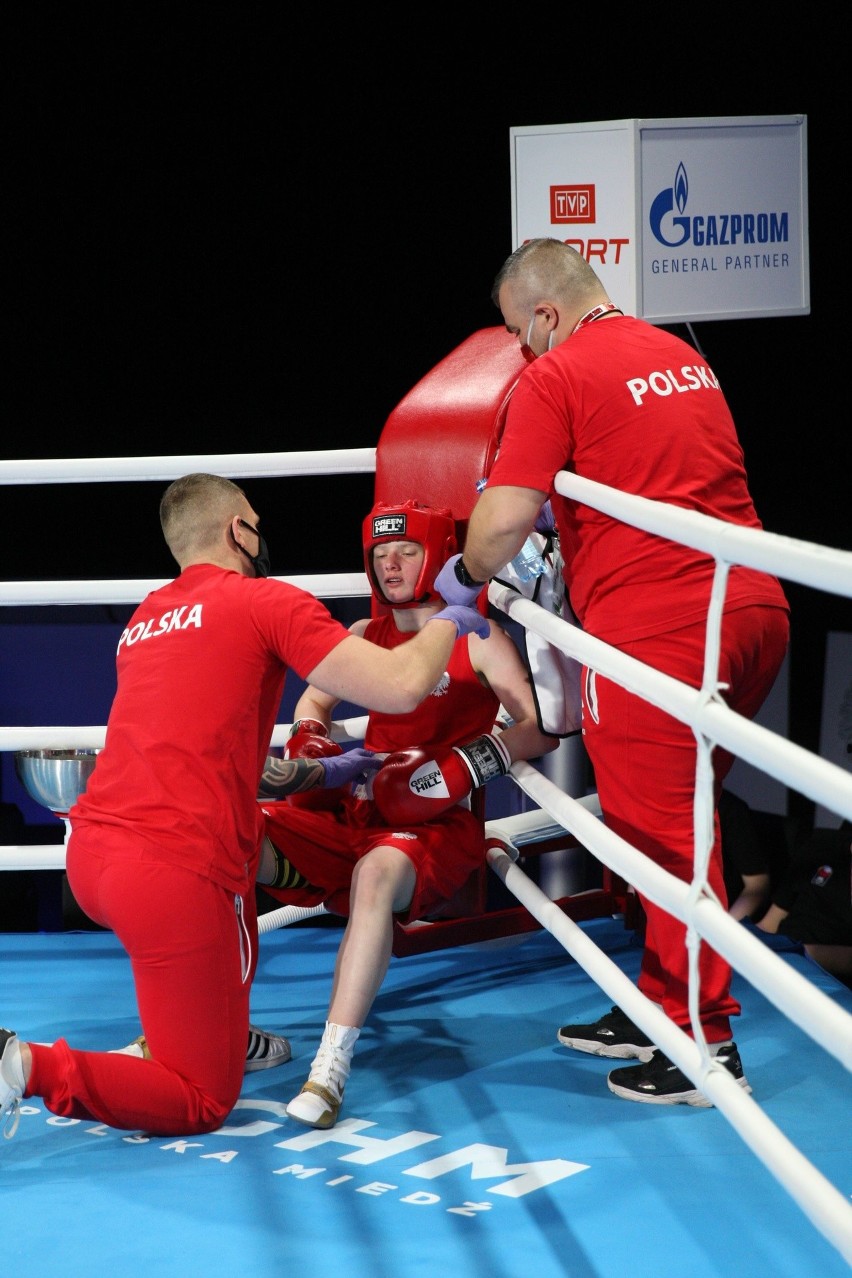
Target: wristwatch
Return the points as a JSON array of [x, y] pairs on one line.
[[463, 576]]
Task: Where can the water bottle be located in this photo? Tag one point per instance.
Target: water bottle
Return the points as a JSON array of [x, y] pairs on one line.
[[528, 563]]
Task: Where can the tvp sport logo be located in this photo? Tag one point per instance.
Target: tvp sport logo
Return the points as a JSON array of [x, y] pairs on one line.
[[572, 204], [575, 205]]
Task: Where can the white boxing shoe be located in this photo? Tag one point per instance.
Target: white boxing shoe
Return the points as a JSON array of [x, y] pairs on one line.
[[318, 1103]]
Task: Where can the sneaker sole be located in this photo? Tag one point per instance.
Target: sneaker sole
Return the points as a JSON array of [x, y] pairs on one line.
[[274, 1055], [268, 1062], [281, 1059], [329, 1115], [694, 1098], [617, 1052]]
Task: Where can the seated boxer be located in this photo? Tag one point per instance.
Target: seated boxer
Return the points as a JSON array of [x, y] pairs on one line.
[[406, 841]]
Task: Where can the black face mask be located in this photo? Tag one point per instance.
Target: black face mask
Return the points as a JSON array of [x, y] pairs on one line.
[[260, 561]]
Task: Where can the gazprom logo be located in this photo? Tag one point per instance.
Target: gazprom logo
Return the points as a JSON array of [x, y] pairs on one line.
[[389, 526], [761, 227]]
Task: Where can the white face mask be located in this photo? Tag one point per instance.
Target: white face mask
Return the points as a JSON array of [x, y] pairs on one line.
[[527, 351]]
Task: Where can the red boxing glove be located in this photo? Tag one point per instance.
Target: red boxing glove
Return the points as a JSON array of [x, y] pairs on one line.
[[417, 785], [305, 730], [309, 739]]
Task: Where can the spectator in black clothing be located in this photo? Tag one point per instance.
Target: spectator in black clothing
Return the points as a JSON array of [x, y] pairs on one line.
[[746, 863], [813, 902], [756, 851]]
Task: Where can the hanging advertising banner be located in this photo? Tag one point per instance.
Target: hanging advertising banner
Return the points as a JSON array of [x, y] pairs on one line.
[[688, 219]]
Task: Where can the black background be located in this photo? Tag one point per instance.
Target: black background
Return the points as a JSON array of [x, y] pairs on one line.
[[232, 233]]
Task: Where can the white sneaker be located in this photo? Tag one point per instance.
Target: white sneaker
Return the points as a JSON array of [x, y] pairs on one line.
[[318, 1103], [265, 1051], [10, 1091], [139, 1047]]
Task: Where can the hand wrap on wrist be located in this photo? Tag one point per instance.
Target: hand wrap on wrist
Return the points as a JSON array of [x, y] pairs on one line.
[[486, 758], [418, 785]]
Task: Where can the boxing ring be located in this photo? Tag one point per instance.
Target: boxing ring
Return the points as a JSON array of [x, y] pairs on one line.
[[822, 568]]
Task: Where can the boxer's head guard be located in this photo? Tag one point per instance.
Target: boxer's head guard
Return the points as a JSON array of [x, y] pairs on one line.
[[433, 528]]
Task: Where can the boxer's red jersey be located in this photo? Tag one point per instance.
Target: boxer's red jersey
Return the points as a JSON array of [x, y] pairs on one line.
[[459, 709]]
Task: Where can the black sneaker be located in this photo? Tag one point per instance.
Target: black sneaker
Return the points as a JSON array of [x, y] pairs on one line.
[[613, 1035], [660, 1082]]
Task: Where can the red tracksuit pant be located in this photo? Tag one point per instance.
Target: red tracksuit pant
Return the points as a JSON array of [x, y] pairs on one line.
[[193, 950], [644, 763]]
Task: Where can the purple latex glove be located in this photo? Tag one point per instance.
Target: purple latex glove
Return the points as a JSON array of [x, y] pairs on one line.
[[465, 620], [340, 769], [544, 520], [450, 588]]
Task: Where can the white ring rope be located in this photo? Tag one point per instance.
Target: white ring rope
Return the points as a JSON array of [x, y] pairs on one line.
[[93, 737], [821, 1202], [94, 470], [799, 768], [712, 722], [811, 1010], [341, 585], [787, 557], [287, 914]]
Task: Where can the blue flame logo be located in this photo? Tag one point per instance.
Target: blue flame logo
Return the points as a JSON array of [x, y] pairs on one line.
[[663, 205], [681, 187]]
